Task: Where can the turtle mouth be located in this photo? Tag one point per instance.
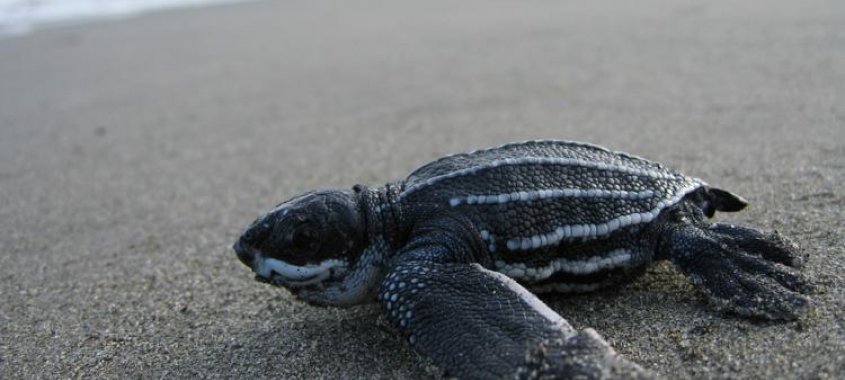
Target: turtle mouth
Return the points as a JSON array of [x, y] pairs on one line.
[[279, 273]]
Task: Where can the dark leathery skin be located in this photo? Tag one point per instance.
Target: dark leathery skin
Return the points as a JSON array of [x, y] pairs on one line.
[[451, 252]]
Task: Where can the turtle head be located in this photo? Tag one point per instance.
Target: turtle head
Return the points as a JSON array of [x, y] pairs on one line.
[[307, 241]]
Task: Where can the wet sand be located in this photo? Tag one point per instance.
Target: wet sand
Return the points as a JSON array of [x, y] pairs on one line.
[[133, 152]]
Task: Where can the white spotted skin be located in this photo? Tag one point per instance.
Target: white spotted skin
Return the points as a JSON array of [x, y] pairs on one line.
[[489, 239], [395, 293]]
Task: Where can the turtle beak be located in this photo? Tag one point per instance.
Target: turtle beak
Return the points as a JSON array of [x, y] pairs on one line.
[[257, 232], [244, 255]]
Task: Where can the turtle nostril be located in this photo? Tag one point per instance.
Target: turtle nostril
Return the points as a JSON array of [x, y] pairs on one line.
[[244, 254], [255, 233], [249, 235]]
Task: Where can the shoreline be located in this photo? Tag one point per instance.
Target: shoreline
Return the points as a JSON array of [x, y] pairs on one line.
[[48, 17]]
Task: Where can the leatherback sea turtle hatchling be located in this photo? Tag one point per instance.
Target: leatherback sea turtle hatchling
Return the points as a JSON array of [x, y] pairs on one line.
[[454, 251]]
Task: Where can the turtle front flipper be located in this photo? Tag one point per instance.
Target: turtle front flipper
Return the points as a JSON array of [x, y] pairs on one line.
[[742, 270], [476, 323]]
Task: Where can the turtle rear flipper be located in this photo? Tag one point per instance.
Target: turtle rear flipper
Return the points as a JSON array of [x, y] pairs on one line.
[[476, 323], [714, 199], [741, 269]]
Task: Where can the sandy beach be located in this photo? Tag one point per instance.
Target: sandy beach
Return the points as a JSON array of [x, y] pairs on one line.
[[133, 152]]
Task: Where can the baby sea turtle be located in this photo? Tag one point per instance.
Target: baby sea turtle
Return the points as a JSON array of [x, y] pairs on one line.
[[454, 252]]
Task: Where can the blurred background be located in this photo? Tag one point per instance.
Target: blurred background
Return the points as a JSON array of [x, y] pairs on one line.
[[137, 139]]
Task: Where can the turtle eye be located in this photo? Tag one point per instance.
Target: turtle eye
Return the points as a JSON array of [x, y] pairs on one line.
[[303, 237]]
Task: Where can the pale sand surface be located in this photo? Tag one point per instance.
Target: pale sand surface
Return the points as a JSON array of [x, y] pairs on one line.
[[133, 152]]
